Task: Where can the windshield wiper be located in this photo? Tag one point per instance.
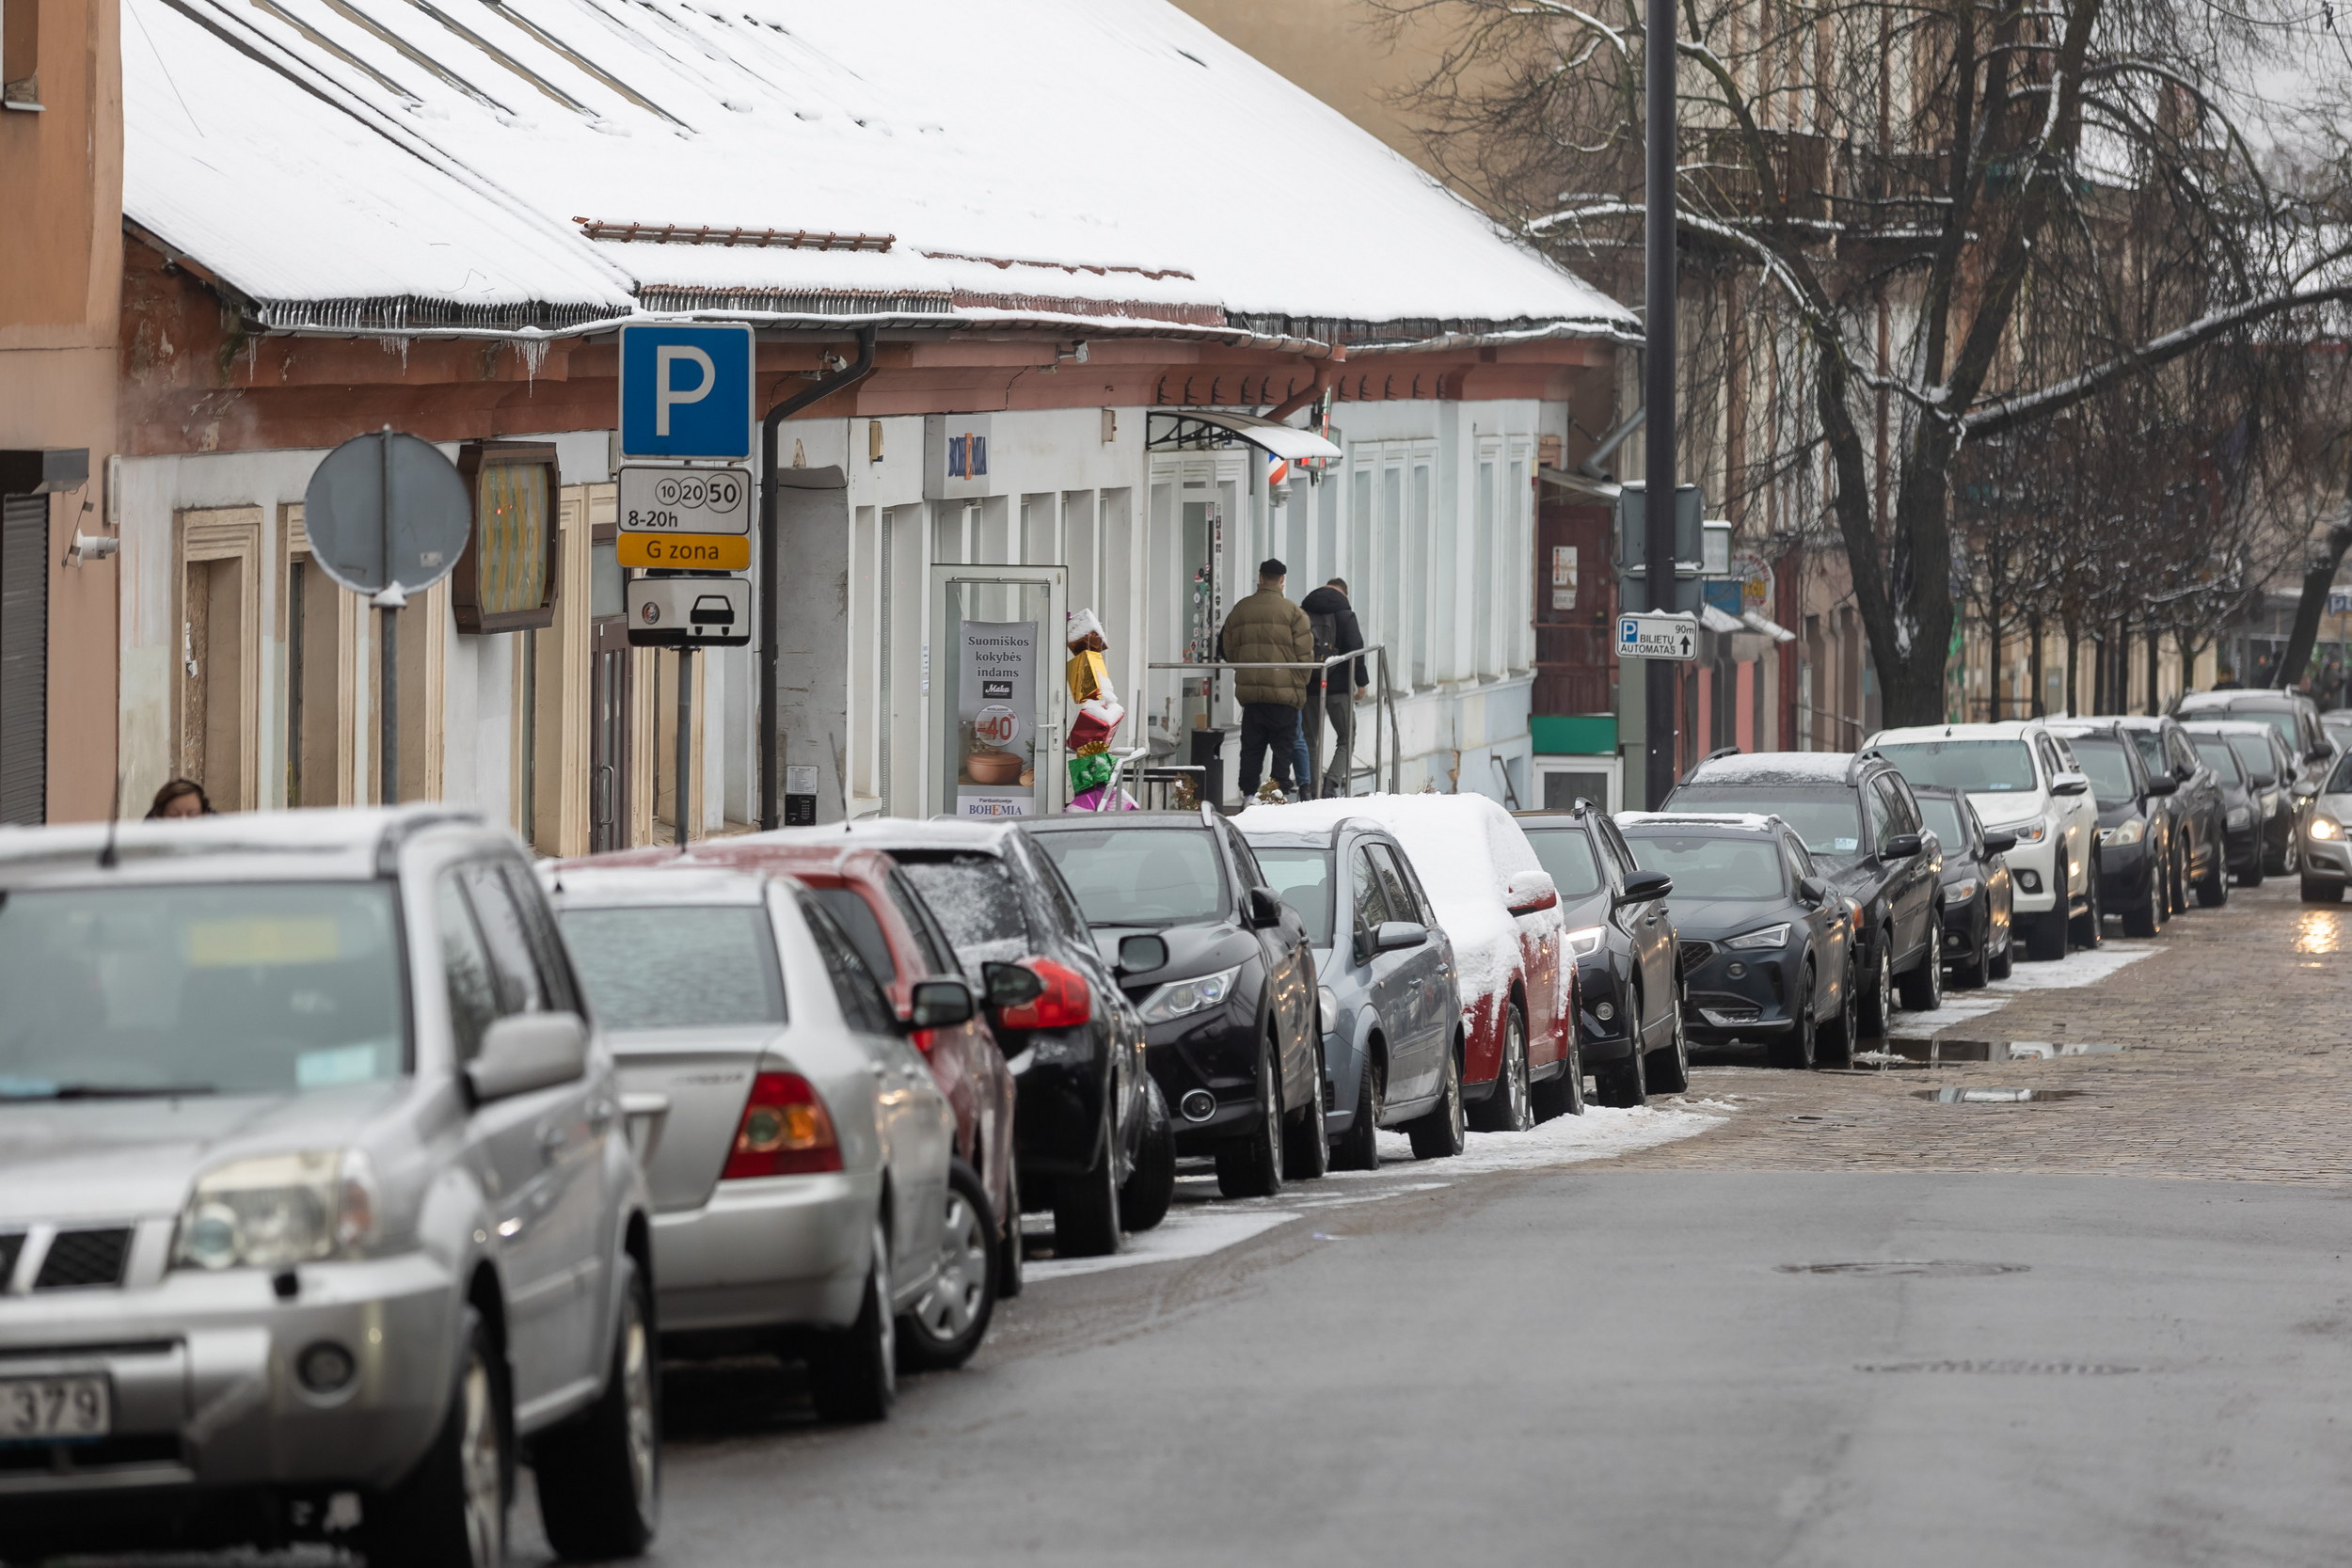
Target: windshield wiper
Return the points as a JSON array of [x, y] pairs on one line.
[[34, 1089]]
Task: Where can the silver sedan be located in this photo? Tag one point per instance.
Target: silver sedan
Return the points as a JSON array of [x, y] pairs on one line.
[[2326, 858]]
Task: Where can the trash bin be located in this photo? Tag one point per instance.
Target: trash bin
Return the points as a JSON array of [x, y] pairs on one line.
[[1208, 755]]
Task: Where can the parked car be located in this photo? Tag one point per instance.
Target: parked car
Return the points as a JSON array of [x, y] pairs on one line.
[[1090, 1133], [2241, 803], [1980, 896], [903, 944], [2191, 821], [2022, 780], [2272, 777], [311, 1183], [1857, 819], [1517, 1043], [1230, 1012], [2133, 855], [1389, 1008], [1767, 943], [800, 1170], [2336, 724], [2326, 854], [1628, 977], [2291, 714]]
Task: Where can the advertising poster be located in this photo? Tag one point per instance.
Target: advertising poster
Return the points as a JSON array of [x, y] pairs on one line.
[[996, 717]]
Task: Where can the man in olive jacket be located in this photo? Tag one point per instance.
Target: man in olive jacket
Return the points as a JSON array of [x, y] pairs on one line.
[[1267, 629]]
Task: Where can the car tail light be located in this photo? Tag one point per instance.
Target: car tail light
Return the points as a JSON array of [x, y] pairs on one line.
[[1066, 1002], [785, 1130]]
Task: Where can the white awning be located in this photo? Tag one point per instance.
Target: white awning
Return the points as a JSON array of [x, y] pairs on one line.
[[1774, 629], [1717, 622], [1181, 428]]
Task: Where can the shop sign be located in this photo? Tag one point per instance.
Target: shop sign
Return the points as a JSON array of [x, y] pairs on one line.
[[996, 717], [954, 456]]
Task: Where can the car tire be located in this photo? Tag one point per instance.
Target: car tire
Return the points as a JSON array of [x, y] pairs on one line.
[[599, 1473], [1437, 1133], [853, 1371], [1011, 1248], [1358, 1147], [1305, 1150], [2322, 893], [2214, 891], [1668, 1070], [949, 1322], [1507, 1109], [2002, 962], [1087, 1221], [1152, 1185], [1969, 971], [2086, 930], [1622, 1086], [449, 1512], [1878, 998], [2253, 875], [1251, 1165], [1796, 1048], [1923, 988], [2180, 895], [2146, 917], [1834, 1042]]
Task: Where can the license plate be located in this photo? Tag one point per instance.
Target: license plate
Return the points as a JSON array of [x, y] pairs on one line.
[[49, 1409]]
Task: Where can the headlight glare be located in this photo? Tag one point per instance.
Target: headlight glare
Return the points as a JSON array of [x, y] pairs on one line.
[[1180, 997], [1584, 943], [1770, 936], [276, 1209], [2125, 832], [2239, 816], [2327, 827]]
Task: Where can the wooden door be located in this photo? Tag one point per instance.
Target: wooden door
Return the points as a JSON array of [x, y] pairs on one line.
[[1575, 604]]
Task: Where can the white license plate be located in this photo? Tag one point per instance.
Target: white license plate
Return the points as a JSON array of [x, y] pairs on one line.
[[47, 1409]]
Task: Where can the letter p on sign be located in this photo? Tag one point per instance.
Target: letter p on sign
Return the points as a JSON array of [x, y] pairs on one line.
[[686, 391]]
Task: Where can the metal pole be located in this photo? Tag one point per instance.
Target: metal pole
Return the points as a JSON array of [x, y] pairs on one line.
[[388, 639], [1658, 381], [685, 741]]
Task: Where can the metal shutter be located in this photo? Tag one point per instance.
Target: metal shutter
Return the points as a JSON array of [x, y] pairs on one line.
[[23, 658]]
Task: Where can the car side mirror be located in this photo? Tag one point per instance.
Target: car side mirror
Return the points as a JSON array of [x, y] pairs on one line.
[[2320, 754], [1900, 847], [1999, 844], [1010, 985], [2265, 781], [1142, 953], [1810, 893], [939, 1004], [1262, 908], [2162, 783], [1529, 891], [2070, 784], [2306, 790], [524, 1051], [1643, 886], [1394, 936]]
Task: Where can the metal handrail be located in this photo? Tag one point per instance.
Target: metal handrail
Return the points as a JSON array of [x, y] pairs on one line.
[[1384, 701]]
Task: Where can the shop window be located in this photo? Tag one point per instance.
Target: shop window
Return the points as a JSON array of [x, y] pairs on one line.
[[506, 579], [20, 53]]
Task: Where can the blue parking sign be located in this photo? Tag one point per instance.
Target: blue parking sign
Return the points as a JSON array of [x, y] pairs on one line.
[[686, 391]]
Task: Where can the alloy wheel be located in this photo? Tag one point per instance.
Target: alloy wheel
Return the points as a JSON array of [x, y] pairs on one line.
[[637, 1373], [947, 1309], [483, 1463]]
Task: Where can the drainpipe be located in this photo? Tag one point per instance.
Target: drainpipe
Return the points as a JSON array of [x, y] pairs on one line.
[[770, 569], [1323, 373], [1590, 467]]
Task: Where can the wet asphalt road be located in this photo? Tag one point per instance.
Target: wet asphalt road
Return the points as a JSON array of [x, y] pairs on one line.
[[1609, 1366]]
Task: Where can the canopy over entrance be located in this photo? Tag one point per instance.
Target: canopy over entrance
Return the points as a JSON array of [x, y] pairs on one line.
[[1204, 429]]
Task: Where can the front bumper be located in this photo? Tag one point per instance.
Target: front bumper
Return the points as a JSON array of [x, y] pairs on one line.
[[1598, 1039], [2326, 860], [1750, 1004], [2123, 872], [778, 1251], [2033, 875], [2244, 846], [1215, 1050]]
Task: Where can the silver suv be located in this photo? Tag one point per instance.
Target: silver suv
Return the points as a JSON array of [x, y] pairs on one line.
[[316, 1207]]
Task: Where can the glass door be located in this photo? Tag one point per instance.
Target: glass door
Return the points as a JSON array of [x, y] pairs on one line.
[[996, 697]]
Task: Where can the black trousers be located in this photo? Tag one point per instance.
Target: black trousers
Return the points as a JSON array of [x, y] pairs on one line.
[[1263, 725]]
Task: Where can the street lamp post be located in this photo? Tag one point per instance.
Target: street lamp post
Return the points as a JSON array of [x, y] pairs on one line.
[[1658, 368]]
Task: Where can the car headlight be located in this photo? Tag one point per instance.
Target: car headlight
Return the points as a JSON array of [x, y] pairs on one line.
[[1327, 1004], [1960, 891], [278, 1210], [2326, 827], [2239, 816], [2027, 832], [1179, 997], [1584, 943], [1770, 936], [2125, 832]]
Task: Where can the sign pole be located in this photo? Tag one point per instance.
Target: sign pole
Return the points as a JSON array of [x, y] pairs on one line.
[[685, 741], [1658, 375], [388, 640]]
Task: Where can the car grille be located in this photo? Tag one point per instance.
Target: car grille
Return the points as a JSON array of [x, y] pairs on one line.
[[105, 1454], [79, 1258], [1696, 954], [10, 1247]]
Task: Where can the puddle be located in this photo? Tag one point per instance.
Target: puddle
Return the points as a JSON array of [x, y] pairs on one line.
[[1958, 1095], [1939, 1268], [1923, 1053], [2004, 1369]]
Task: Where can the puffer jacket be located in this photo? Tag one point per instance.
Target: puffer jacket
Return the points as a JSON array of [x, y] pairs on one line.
[[1267, 629]]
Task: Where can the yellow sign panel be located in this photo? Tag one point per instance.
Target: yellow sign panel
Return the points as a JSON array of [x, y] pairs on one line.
[[708, 552]]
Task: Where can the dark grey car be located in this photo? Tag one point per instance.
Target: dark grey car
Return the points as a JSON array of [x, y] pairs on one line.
[[2189, 824]]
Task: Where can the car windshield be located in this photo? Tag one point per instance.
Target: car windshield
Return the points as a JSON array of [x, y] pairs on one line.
[[1303, 878], [267, 988], [670, 966], [1567, 852], [2339, 782], [1978, 767], [1942, 818], [2151, 744], [1827, 819], [2109, 771], [2217, 751], [975, 899], [1140, 876], [1712, 865], [2253, 754]]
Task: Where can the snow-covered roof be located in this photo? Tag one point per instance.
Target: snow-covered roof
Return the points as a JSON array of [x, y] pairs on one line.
[[1757, 767], [380, 166]]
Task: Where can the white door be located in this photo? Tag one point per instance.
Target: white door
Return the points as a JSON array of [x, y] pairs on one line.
[[997, 693]]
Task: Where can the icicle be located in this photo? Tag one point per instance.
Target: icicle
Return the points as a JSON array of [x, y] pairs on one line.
[[534, 353]]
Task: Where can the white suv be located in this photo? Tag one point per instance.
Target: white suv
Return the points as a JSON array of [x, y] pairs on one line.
[[2023, 780]]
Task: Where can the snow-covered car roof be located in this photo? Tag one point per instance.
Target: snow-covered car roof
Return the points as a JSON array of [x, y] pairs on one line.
[[892, 832], [676, 883], [1774, 768], [344, 841], [1741, 822], [2227, 726], [2007, 729]]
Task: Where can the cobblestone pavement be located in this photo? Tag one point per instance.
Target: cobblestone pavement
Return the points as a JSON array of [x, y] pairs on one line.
[[2236, 1064]]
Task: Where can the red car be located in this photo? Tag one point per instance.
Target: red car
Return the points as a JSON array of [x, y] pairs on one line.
[[899, 939]]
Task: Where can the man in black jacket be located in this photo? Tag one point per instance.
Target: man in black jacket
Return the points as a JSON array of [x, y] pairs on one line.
[[1336, 632]]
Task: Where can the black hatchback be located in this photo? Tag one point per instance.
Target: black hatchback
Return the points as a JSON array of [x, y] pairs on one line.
[[1231, 1019], [2135, 865]]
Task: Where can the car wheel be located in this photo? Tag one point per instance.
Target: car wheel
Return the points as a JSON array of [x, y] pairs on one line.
[[1834, 1042], [599, 1473], [2289, 859], [1506, 1110], [2001, 961], [2322, 893], [1668, 1070], [1306, 1151], [2253, 875], [1923, 988], [1437, 1133], [2214, 891], [947, 1324], [2146, 916], [1012, 1248], [1358, 1147], [2180, 874], [1878, 998], [1152, 1185], [1968, 970], [2085, 931], [853, 1371], [1622, 1086], [1085, 1208], [1251, 1165], [451, 1511], [1795, 1049]]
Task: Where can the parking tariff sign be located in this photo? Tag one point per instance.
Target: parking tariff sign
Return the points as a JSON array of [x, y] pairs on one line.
[[686, 391]]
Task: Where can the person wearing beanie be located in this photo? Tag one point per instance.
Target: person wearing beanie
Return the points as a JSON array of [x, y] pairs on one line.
[[1267, 629], [1333, 618]]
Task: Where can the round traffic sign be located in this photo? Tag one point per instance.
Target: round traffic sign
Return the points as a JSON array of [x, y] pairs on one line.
[[386, 509]]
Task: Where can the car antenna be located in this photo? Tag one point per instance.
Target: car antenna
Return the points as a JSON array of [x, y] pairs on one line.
[[106, 858]]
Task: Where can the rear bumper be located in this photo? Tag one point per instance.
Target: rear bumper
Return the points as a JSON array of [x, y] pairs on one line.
[[777, 1252]]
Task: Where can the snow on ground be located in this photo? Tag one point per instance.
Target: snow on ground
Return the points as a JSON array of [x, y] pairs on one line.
[[1189, 1231], [1599, 1133], [2080, 969]]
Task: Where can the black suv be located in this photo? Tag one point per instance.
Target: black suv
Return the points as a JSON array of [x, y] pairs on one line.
[[1858, 818], [2191, 823], [2133, 860], [2295, 716], [1232, 1014]]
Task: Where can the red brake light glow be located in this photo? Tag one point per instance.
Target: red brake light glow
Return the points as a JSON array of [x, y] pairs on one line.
[[1066, 1002], [785, 1130]]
